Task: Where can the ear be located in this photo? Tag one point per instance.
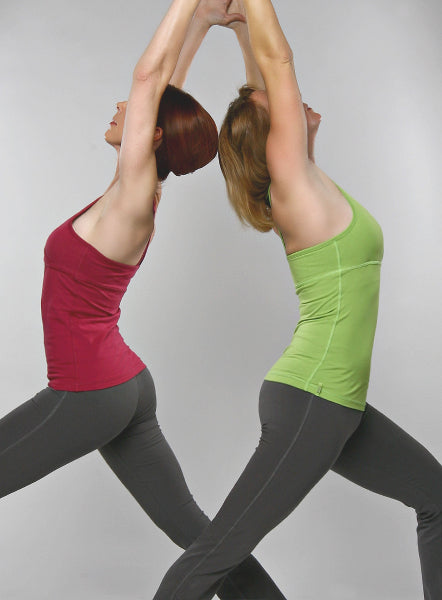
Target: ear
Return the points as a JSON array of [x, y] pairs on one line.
[[157, 137]]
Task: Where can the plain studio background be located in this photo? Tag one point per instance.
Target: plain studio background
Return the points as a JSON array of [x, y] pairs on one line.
[[213, 305]]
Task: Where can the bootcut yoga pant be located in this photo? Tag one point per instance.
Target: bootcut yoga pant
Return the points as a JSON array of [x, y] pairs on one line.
[[55, 428], [303, 436]]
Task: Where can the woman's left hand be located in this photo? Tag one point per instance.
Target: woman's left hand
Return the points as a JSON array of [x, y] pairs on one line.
[[214, 12]]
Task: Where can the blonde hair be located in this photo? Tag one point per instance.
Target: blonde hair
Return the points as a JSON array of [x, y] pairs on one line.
[[242, 157]]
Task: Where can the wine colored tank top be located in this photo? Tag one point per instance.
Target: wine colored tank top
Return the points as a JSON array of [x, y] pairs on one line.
[[80, 305], [337, 282]]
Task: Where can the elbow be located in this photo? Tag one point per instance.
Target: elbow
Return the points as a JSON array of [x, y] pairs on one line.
[[143, 75], [278, 55], [152, 81], [284, 55], [287, 56], [146, 71]]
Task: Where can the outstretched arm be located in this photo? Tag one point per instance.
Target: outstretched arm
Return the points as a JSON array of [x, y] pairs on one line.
[[121, 228], [253, 74], [208, 13], [152, 73], [287, 148]]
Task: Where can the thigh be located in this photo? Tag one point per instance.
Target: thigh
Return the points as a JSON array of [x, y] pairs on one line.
[[144, 462], [383, 458], [56, 427], [302, 435]]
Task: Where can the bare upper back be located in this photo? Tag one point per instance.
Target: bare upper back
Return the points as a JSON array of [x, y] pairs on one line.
[[311, 212], [117, 235]]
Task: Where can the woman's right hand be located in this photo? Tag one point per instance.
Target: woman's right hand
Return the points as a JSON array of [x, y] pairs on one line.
[[220, 12]]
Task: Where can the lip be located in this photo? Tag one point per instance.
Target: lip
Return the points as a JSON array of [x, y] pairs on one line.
[[112, 123]]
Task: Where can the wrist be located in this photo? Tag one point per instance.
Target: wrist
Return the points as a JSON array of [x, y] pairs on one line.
[[201, 22], [240, 29]]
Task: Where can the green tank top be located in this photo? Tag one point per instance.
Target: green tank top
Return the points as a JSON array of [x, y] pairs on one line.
[[337, 282]]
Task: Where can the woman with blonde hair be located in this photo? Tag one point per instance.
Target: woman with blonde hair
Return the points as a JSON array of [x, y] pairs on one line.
[[312, 404], [100, 393]]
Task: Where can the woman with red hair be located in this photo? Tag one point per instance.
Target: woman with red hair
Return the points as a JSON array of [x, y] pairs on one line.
[[100, 394]]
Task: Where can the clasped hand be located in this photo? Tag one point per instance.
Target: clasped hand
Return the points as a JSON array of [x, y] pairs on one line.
[[216, 12]]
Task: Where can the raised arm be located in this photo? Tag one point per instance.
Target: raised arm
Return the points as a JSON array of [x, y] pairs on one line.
[[253, 74], [137, 166], [287, 146], [208, 13], [120, 224]]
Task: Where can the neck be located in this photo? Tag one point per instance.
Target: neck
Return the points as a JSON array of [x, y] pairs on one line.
[[311, 148], [117, 170]]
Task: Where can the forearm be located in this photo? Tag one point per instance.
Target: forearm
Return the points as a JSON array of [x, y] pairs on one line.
[[266, 36], [161, 56], [195, 35], [253, 74]]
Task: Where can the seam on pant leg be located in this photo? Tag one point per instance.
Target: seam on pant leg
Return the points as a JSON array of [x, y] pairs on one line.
[[131, 477], [45, 420], [271, 476]]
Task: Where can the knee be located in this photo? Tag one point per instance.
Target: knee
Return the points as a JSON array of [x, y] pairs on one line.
[[428, 497], [429, 513], [182, 525]]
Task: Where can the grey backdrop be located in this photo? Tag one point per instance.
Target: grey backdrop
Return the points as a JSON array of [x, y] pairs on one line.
[[213, 305]]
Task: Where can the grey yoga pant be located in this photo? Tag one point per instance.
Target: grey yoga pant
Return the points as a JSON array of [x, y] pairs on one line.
[[303, 436], [55, 428]]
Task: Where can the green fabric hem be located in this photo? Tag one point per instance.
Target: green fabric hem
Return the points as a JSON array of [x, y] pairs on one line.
[[313, 388]]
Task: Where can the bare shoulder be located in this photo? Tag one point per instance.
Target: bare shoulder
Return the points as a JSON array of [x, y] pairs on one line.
[[84, 224], [116, 232], [310, 211]]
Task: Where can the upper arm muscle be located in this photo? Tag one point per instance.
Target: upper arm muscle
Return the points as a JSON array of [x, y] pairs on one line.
[[287, 145], [137, 174]]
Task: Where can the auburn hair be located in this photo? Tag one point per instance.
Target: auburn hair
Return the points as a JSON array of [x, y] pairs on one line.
[[190, 135], [242, 157]]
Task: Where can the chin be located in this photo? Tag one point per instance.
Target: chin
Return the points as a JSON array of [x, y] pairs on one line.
[[316, 122], [108, 138]]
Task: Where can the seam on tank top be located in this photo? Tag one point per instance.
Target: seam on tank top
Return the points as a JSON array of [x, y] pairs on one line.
[[338, 311], [57, 268], [37, 427], [264, 486], [73, 274], [71, 324], [74, 354], [344, 270]]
